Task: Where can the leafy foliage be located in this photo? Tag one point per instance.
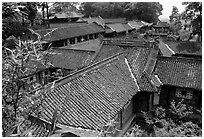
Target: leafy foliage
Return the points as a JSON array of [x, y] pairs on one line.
[[11, 20], [18, 98], [168, 123], [193, 13], [147, 11], [175, 21], [31, 9], [66, 7]]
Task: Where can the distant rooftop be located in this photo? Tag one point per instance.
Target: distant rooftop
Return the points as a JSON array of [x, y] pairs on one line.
[[161, 24], [71, 59], [70, 14], [136, 52], [90, 45], [114, 20], [56, 34], [118, 27], [136, 24]]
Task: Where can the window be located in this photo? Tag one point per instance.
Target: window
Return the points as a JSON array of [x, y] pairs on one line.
[[85, 38], [184, 93], [72, 41], [91, 36], [65, 42], [68, 42], [95, 36], [79, 39], [58, 43]]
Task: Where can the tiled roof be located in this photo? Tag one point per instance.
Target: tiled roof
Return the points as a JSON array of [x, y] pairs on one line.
[[101, 21], [69, 32], [162, 24], [136, 24], [114, 20], [138, 60], [90, 45], [71, 59], [123, 42], [180, 72], [36, 127], [137, 55], [151, 61], [97, 20], [92, 96], [59, 25], [40, 128], [145, 83], [108, 30], [128, 27], [107, 51], [118, 27], [146, 23], [165, 49]]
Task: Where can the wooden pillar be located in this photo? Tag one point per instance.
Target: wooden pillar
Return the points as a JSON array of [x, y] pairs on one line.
[[75, 40], [68, 42], [150, 102], [87, 37]]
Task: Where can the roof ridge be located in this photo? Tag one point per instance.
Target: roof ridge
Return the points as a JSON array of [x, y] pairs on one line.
[[69, 49], [85, 70], [64, 27], [98, 51], [178, 58]]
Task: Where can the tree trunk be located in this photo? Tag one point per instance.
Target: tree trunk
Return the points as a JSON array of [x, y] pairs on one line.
[[48, 22], [43, 12]]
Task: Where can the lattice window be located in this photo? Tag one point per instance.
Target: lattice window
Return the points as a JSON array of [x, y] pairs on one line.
[[184, 93]]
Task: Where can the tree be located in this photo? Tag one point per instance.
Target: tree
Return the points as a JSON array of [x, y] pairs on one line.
[[12, 20], [31, 9], [174, 14], [193, 13], [66, 7], [42, 5], [86, 8], [19, 98], [168, 123], [147, 11], [175, 21]]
